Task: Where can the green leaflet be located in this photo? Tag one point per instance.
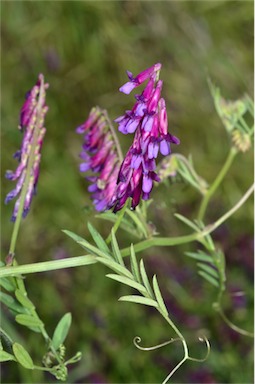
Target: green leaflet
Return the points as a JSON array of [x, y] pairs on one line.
[[22, 356], [98, 239], [158, 295], [199, 256], [11, 303], [134, 264], [23, 300], [61, 330], [208, 269], [115, 249], [129, 282], [8, 283], [139, 300], [209, 278], [28, 321], [5, 356], [75, 237], [186, 221], [138, 223], [94, 250], [115, 267], [145, 279]]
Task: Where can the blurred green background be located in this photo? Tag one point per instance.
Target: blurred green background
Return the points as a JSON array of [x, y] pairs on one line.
[[83, 49]]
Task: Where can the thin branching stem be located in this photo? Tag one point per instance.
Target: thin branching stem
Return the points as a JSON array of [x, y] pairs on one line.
[[216, 183], [231, 325]]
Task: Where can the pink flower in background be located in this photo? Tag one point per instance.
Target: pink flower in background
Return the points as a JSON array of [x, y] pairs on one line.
[[32, 117], [100, 157]]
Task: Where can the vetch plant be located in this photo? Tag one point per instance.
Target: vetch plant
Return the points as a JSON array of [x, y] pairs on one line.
[[121, 192]]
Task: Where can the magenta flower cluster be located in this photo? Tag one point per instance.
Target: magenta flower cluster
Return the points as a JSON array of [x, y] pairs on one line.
[[32, 126], [148, 119], [134, 178], [99, 155]]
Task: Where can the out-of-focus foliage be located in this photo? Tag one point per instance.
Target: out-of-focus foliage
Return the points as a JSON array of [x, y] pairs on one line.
[[83, 49]]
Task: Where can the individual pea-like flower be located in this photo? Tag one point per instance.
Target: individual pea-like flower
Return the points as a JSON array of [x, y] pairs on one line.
[[31, 125], [100, 157], [148, 120]]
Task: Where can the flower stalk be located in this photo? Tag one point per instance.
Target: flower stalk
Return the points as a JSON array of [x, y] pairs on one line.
[[32, 120]]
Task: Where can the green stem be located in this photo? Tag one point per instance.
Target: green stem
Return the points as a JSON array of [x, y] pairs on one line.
[[28, 173], [158, 241], [231, 325], [113, 132], [117, 222], [216, 183], [48, 266], [185, 346]]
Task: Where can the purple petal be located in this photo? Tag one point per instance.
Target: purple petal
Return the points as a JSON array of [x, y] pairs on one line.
[[130, 75], [153, 149], [10, 196], [165, 148], [136, 161], [128, 87], [80, 129], [147, 123], [93, 188], [9, 175], [147, 184], [132, 125], [174, 139], [84, 167]]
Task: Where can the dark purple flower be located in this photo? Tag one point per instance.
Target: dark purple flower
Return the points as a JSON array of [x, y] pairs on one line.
[[32, 116], [148, 119], [99, 155]]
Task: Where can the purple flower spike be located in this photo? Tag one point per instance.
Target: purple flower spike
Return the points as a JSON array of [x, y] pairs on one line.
[[148, 119], [100, 157], [32, 117]]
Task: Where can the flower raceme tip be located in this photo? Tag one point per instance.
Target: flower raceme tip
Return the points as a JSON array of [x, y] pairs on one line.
[[31, 125], [148, 120]]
